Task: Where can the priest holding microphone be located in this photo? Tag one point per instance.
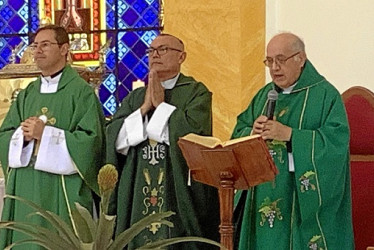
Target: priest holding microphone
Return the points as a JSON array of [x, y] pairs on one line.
[[308, 205]]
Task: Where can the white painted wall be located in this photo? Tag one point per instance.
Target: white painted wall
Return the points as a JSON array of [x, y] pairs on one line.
[[338, 34]]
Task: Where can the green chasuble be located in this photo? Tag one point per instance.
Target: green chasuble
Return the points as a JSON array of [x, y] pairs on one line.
[[154, 176], [75, 109], [309, 208]]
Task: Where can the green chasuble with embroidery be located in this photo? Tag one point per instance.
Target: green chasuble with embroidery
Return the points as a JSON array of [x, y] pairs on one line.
[[311, 207], [154, 176], [75, 109]]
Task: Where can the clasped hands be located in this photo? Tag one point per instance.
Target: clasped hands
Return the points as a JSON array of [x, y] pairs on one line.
[[33, 128], [154, 94], [270, 129]]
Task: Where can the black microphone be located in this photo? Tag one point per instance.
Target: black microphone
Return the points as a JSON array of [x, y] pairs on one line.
[[272, 98]]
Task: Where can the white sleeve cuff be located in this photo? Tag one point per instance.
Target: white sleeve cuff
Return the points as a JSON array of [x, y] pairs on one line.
[[18, 155], [132, 132], [53, 155], [158, 128]]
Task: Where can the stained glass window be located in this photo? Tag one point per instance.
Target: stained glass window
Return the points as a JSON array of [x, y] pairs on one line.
[[131, 24]]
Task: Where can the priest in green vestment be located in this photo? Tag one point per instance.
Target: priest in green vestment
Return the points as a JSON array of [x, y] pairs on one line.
[[142, 143], [308, 205], [52, 140]]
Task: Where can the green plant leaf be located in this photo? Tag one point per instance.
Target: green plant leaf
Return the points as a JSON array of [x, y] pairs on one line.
[[86, 246], [105, 231], [51, 239], [61, 226], [32, 241], [84, 223], [125, 237], [167, 242]]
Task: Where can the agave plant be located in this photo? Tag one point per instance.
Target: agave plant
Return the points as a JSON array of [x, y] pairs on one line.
[[91, 234]]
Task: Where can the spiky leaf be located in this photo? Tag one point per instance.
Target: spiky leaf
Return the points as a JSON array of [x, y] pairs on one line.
[[84, 223], [167, 242], [125, 237], [50, 239], [104, 231], [61, 226]]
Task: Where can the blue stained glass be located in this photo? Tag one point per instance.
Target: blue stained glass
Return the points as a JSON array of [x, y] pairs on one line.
[[140, 24], [145, 60], [7, 30], [139, 49], [110, 60], [2, 23], [122, 50], [124, 89], [140, 6], [7, 13], [149, 36], [17, 5], [130, 38], [130, 17], [151, 17], [17, 23], [122, 24], [123, 71], [141, 71], [5, 54], [122, 7], [130, 2], [151, 1], [104, 94], [110, 105], [130, 59], [110, 19], [23, 13], [110, 83]]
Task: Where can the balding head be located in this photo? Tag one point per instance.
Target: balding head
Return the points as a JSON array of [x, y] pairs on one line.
[[167, 56], [285, 58]]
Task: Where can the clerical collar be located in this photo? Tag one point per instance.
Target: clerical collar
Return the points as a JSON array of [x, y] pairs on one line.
[[49, 84], [55, 74], [286, 90], [170, 83]]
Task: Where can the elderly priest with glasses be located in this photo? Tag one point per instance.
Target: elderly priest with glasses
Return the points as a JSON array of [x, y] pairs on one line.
[[142, 143], [308, 205]]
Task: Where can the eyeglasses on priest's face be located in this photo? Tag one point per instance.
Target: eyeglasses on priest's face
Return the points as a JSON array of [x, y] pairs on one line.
[[279, 60], [45, 45], [162, 50]]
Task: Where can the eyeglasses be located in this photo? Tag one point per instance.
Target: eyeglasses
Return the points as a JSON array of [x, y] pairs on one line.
[[280, 60], [160, 51], [45, 45]]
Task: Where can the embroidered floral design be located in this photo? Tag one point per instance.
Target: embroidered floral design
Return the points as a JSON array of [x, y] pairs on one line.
[[269, 211], [153, 196], [305, 181], [315, 243], [275, 149]]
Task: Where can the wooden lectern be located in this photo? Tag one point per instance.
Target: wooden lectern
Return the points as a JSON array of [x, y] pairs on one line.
[[237, 164]]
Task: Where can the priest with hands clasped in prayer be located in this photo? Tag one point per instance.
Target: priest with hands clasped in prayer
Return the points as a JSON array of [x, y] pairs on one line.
[[142, 142]]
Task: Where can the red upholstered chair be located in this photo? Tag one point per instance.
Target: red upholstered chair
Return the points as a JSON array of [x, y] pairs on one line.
[[359, 103]]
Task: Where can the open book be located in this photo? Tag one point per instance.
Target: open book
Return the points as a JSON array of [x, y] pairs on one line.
[[246, 158]]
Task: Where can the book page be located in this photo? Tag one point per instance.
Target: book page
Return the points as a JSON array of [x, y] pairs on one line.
[[237, 140], [207, 141], [212, 142]]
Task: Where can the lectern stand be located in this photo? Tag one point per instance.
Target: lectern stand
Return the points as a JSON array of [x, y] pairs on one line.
[[238, 166]]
